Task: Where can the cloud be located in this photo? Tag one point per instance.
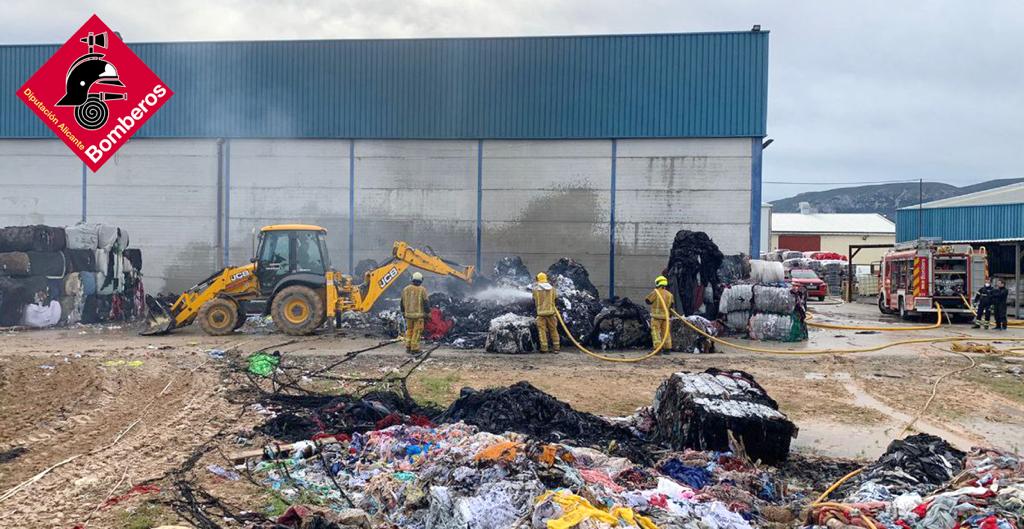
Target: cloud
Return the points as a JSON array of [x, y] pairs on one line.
[[858, 91]]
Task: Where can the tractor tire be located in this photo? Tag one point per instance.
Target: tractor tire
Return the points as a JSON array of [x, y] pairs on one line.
[[298, 310], [218, 317]]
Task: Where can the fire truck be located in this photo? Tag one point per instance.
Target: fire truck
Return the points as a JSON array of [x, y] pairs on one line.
[[916, 276]]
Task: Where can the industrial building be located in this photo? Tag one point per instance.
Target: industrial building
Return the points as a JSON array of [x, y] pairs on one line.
[[833, 232], [993, 219], [594, 147]]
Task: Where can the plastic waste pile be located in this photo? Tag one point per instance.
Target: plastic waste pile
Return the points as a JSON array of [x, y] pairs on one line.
[[921, 481], [765, 312], [701, 410], [84, 273]]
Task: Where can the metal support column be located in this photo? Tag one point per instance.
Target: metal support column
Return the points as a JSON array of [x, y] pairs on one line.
[[611, 226], [227, 202], [479, 202], [220, 202], [351, 206]]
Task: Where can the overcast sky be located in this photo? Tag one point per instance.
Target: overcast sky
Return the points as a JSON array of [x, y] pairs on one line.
[[858, 91]]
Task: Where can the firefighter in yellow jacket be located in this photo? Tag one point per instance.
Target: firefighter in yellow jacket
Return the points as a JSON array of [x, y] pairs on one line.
[[414, 308], [660, 313], [547, 322]]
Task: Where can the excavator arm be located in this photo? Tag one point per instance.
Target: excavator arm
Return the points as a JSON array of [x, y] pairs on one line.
[[403, 256]]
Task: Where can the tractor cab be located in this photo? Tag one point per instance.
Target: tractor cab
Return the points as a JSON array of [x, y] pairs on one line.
[[290, 252]]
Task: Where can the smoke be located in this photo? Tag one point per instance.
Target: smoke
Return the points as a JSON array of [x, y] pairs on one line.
[[502, 295]]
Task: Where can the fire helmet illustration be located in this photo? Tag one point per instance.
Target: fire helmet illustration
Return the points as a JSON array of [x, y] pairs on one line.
[[87, 71]]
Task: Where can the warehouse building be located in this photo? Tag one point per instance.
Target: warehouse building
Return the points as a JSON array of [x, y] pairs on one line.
[[993, 219], [833, 232], [595, 147]]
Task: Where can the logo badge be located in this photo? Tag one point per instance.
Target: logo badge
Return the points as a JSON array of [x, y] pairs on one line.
[[94, 93]]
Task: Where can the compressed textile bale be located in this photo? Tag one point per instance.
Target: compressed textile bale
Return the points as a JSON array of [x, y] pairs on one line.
[[134, 255], [777, 327], [14, 264], [736, 298], [48, 264], [73, 284], [698, 410], [511, 334], [106, 236], [80, 260], [82, 236], [767, 272], [15, 293], [734, 268], [102, 261], [36, 238], [737, 321], [88, 280], [777, 300], [55, 287]]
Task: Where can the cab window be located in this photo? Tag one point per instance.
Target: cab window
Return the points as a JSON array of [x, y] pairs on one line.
[[307, 253], [275, 247]]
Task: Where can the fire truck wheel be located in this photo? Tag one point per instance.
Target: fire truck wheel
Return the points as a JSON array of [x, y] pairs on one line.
[[903, 311]]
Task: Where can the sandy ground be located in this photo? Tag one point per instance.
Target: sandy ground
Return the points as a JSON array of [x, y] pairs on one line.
[[133, 409]]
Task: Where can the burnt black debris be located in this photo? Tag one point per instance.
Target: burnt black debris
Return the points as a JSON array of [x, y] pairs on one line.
[[621, 324], [512, 334], [572, 269], [692, 266], [301, 417], [511, 272], [36, 238], [917, 463], [699, 410], [734, 268], [10, 455], [471, 317], [525, 409]]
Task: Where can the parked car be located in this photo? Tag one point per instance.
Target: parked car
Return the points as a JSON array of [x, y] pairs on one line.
[[810, 281]]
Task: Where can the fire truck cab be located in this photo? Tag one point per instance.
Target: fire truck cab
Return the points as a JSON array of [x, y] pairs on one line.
[[916, 276]]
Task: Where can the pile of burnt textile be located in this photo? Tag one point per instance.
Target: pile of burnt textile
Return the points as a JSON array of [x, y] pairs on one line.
[[923, 482], [84, 273], [701, 411], [517, 458]]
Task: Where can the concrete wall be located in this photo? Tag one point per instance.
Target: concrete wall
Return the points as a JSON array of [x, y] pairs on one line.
[[539, 199], [841, 244]]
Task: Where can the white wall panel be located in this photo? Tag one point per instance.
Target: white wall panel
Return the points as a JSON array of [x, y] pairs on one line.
[[40, 183]]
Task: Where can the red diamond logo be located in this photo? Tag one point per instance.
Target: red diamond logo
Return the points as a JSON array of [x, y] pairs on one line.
[[94, 93]]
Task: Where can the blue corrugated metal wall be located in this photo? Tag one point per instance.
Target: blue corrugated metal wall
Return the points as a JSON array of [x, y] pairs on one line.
[[963, 223], [623, 86]]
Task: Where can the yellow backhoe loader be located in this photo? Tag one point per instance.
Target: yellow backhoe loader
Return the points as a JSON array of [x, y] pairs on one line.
[[290, 278]]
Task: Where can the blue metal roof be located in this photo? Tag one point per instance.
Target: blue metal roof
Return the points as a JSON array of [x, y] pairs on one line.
[[962, 223], [621, 86]]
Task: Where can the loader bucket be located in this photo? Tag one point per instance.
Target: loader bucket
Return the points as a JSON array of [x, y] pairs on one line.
[[159, 320]]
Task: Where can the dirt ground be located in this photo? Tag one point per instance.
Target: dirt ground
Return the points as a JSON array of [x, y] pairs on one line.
[[116, 410]]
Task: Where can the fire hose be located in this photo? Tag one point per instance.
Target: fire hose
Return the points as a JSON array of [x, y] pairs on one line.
[[657, 347]]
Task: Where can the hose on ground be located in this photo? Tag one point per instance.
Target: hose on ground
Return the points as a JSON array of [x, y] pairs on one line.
[[936, 325], [657, 347]]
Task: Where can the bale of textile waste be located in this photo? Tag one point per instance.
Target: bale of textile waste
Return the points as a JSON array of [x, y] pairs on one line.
[[71, 309], [512, 334], [699, 410], [693, 264], [621, 324], [791, 254], [570, 268], [80, 260], [917, 463], [15, 294], [82, 236], [735, 268], [511, 272], [49, 264], [106, 236], [767, 272], [14, 264], [36, 238], [738, 321], [736, 298], [777, 327], [41, 316], [687, 340], [89, 280], [525, 409], [134, 256], [578, 307], [55, 288], [96, 309], [777, 300], [799, 262]]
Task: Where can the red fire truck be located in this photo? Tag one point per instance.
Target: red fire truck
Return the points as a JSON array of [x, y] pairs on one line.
[[918, 275]]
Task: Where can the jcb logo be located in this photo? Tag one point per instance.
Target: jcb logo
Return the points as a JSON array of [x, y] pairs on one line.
[[240, 276], [388, 277]]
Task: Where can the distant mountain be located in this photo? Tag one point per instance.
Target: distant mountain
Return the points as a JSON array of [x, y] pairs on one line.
[[881, 198]]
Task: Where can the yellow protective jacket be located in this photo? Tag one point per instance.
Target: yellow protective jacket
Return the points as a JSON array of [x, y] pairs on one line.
[[414, 302], [544, 299], [657, 311]]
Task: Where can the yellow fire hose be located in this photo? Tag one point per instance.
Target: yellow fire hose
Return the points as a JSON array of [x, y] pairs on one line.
[[657, 346], [936, 325]]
